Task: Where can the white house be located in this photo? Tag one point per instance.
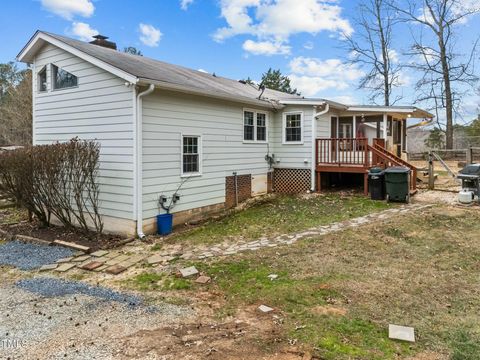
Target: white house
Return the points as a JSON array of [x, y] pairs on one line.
[[166, 129]]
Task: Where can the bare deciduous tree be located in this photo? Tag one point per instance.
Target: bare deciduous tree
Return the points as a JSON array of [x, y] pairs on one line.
[[371, 48], [434, 52]]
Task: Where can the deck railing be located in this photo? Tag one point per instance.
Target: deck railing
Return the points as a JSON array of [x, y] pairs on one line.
[[343, 151]]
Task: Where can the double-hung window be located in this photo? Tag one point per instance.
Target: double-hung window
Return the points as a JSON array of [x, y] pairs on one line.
[[293, 128], [191, 155], [255, 125]]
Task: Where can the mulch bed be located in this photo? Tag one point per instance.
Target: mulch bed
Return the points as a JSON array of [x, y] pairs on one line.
[[91, 240]]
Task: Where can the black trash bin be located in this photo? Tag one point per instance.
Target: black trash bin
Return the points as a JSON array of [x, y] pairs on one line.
[[376, 183], [397, 183]]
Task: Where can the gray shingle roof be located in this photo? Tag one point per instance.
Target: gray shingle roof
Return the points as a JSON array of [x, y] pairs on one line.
[[150, 69]]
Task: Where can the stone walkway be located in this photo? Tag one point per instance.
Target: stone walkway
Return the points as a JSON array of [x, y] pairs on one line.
[[115, 261]]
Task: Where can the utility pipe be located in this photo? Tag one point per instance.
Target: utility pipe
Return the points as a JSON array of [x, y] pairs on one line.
[[313, 166], [138, 159]]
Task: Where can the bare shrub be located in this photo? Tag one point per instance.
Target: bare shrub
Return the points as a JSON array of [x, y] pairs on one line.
[[58, 179]]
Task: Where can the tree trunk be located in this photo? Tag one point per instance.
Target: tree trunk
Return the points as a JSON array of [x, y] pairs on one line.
[[448, 92]]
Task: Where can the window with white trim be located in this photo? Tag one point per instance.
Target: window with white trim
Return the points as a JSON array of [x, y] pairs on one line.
[[255, 126], [248, 125], [191, 156], [261, 127], [62, 79], [42, 79], [293, 128]]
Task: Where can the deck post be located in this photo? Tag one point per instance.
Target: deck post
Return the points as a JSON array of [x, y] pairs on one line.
[[365, 184], [385, 128]]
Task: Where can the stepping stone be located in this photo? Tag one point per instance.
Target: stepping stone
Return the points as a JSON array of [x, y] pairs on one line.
[[155, 259], [404, 333], [48, 267], [81, 258], [100, 253], [265, 308], [122, 257], [101, 268], [65, 267], [126, 264], [203, 279], [189, 271], [65, 260], [92, 265], [115, 269]]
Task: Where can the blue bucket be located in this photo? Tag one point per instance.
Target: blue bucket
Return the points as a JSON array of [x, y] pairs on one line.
[[164, 224]]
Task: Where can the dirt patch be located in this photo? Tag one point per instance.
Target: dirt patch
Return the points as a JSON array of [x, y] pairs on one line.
[[34, 229], [329, 310], [246, 337]]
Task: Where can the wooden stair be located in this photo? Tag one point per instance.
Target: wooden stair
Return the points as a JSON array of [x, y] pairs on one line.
[[387, 159]]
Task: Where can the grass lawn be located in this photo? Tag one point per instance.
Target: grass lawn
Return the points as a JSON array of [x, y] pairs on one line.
[[336, 294], [280, 215]]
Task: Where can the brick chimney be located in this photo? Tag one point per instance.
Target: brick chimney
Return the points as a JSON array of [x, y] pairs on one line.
[[101, 40]]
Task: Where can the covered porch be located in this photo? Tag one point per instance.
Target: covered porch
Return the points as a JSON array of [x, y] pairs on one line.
[[362, 137]]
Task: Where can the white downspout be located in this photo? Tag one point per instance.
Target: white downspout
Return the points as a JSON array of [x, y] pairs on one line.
[[314, 141], [138, 159]]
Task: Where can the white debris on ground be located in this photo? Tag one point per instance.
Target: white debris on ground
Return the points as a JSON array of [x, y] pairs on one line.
[[265, 308], [436, 197], [404, 333]]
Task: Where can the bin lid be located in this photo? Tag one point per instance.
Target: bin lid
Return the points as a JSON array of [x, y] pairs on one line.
[[375, 170], [397, 170]]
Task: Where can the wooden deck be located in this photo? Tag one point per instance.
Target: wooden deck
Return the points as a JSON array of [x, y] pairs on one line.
[[355, 156]]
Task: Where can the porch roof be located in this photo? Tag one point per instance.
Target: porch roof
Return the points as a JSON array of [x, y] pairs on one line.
[[403, 111]]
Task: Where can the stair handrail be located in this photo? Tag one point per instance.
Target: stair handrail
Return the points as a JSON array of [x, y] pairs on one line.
[[398, 159]]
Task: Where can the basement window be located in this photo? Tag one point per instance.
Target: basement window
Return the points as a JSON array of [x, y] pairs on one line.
[[42, 79], [191, 155], [254, 126], [63, 79], [293, 128]]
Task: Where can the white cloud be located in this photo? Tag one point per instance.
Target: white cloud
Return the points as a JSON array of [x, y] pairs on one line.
[[184, 4], [69, 8], [150, 36], [276, 20], [265, 48], [311, 75], [308, 45], [83, 31]]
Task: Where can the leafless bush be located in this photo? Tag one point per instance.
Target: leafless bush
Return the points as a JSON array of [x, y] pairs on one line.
[[58, 179]]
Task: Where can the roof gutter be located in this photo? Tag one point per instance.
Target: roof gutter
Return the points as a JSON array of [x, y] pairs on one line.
[[138, 126]]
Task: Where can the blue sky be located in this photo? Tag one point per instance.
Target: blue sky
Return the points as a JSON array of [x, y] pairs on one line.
[[233, 38]]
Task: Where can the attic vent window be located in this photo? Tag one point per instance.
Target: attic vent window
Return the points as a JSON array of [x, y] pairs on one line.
[[63, 79], [42, 79]]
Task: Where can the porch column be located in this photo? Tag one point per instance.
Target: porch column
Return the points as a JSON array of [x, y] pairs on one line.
[[402, 129], [354, 127], [385, 127]]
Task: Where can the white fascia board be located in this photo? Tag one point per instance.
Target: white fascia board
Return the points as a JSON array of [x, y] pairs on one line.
[[382, 109], [33, 45], [200, 92], [304, 102]]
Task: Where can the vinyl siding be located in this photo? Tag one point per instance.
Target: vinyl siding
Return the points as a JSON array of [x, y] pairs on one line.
[[293, 155], [166, 116], [100, 108]]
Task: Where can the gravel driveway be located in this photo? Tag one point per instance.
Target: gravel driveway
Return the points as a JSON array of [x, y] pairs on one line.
[[72, 320]]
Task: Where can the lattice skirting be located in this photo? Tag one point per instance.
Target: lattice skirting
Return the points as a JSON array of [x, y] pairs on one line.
[[291, 181], [244, 189]]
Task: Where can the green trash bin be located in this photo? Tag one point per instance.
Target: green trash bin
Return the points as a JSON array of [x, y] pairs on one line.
[[397, 183]]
